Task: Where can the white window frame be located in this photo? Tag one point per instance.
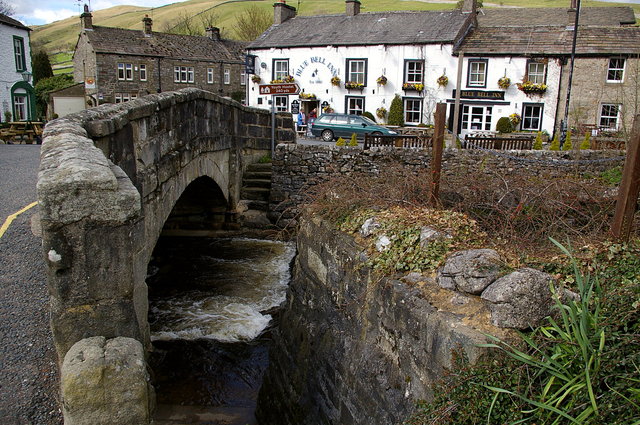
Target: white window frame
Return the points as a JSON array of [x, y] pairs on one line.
[[536, 72], [281, 103], [227, 76], [128, 71], [608, 116], [280, 69], [121, 74], [355, 105], [357, 71], [20, 104], [243, 77], [410, 114], [191, 76], [414, 71], [616, 69], [176, 74], [477, 68], [117, 98], [183, 74], [526, 117], [143, 72], [209, 75], [19, 54]]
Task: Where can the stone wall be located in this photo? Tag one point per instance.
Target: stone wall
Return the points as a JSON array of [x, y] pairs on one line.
[[109, 178], [295, 167], [356, 349]]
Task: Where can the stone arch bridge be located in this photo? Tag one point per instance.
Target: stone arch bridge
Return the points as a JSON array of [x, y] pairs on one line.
[[109, 179]]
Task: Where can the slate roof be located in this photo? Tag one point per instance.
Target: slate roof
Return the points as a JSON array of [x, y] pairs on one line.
[[176, 46], [550, 41], [427, 27], [555, 16], [12, 22]]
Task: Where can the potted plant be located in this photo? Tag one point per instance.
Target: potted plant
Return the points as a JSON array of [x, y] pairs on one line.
[[256, 78], [504, 82], [287, 79], [335, 81], [381, 80], [442, 81], [413, 86], [353, 85], [530, 88]]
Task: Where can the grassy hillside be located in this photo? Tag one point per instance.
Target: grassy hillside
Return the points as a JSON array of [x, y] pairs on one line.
[[59, 38]]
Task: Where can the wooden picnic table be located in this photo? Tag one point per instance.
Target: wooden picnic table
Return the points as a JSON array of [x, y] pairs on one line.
[[22, 131]]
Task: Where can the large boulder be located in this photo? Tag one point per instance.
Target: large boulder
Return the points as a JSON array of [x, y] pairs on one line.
[[105, 382], [520, 299], [470, 271]]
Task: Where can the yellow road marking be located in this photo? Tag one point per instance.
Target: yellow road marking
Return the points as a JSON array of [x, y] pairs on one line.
[[13, 216]]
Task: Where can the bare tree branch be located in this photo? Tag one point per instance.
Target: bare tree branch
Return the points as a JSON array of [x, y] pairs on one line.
[[6, 8], [252, 22]]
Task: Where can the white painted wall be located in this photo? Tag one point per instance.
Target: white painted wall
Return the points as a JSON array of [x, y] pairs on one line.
[[8, 74]]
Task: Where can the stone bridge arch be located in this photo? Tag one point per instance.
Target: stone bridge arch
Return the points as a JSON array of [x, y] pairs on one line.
[[109, 179]]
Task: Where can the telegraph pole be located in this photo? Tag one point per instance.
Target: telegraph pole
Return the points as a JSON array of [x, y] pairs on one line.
[[565, 121]]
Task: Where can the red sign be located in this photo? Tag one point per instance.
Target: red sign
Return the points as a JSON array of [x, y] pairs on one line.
[[291, 88]]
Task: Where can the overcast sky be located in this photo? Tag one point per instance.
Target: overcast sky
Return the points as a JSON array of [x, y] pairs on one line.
[[38, 12]]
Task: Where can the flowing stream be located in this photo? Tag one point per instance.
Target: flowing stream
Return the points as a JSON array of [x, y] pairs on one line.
[[209, 305]]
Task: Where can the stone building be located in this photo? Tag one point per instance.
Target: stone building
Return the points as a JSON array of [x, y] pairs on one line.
[[357, 62], [17, 96], [117, 65]]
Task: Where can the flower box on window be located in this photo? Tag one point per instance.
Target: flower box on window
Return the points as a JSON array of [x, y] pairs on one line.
[[413, 86], [307, 96], [352, 85], [531, 88], [335, 81], [287, 79]]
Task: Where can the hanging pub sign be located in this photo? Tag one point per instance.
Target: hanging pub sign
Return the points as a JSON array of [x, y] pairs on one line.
[[295, 107], [250, 64]]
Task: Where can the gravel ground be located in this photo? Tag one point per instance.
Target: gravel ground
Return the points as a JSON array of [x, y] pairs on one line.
[[29, 381]]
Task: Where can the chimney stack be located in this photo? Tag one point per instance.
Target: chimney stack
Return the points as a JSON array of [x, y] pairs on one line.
[[85, 19], [282, 12], [148, 22], [470, 6], [574, 4], [213, 33], [353, 7]]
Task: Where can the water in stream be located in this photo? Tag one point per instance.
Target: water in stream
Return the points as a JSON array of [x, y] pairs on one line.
[[209, 303]]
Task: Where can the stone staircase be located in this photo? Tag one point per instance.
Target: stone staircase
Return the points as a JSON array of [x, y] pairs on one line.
[[254, 196]]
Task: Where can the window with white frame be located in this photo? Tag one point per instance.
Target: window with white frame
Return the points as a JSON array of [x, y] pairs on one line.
[[243, 78], [281, 103], [121, 71], [413, 71], [117, 98], [280, 69], [143, 72], [609, 115], [355, 105], [412, 110], [531, 116], [615, 72], [20, 107], [357, 71], [227, 76], [18, 50], [183, 74], [125, 71], [477, 75], [536, 72], [209, 75], [124, 97]]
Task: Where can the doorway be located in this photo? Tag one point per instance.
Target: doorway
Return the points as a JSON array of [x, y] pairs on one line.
[[475, 118]]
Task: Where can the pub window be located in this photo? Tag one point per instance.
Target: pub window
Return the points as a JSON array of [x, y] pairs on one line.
[[615, 73], [536, 72], [143, 72], [412, 110], [477, 73], [532, 116], [280, 69], [609, 115], [18, 50], [282, 103], [355, 105], [357, 71], [209, 75], [413, 71], [227, 76]]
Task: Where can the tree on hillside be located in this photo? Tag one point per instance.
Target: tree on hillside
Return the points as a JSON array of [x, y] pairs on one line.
[[41, 66], [6, 8], [252, 22], [183, 24]]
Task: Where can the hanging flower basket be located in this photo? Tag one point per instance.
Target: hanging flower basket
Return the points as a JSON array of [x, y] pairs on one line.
[[287, 79], [352, 85], [442, 81], [327, 109], [515, 119], [256, 78], [307, 96], [413, 86], [504, 83], [381, 112], [335, 81], [382, 80], [530, 88]]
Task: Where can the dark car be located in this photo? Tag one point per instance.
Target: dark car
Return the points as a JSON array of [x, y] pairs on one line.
[[332, 126]]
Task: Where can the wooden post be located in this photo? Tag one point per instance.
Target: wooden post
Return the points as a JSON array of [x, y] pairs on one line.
[[436, 154], [629, 187]]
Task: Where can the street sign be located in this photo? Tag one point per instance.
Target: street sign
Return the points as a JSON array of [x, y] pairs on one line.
[[277, 89]]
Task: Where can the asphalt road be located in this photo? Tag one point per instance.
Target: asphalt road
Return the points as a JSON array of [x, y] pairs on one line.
[[29, 383]]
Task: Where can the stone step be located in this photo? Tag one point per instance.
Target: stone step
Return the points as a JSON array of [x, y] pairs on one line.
[[255, 193], [259, 167], [256, 183], [262, 175]]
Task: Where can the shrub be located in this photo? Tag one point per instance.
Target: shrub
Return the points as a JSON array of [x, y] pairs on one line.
[[354, 140], [396, 112], [567, 145], [537, 145], [504, 125], [7, 116], [369, 115], [586, 143], [340, 142], [555, 144]]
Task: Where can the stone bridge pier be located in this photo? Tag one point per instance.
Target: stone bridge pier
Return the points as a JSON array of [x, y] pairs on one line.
[[108, 181]]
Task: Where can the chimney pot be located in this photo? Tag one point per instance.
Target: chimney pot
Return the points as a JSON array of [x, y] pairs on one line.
[[353, 7], [282, 12], [86, 19]]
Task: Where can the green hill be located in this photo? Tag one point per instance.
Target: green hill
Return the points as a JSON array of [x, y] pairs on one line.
[[59, 38]]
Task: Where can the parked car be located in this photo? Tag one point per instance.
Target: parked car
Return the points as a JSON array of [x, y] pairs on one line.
[[332, 126]]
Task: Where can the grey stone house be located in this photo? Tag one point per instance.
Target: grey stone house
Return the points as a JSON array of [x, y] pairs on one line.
[[117, 65], [534, 45]]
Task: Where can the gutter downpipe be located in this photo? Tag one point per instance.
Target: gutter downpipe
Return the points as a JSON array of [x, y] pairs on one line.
[[563, 136]]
